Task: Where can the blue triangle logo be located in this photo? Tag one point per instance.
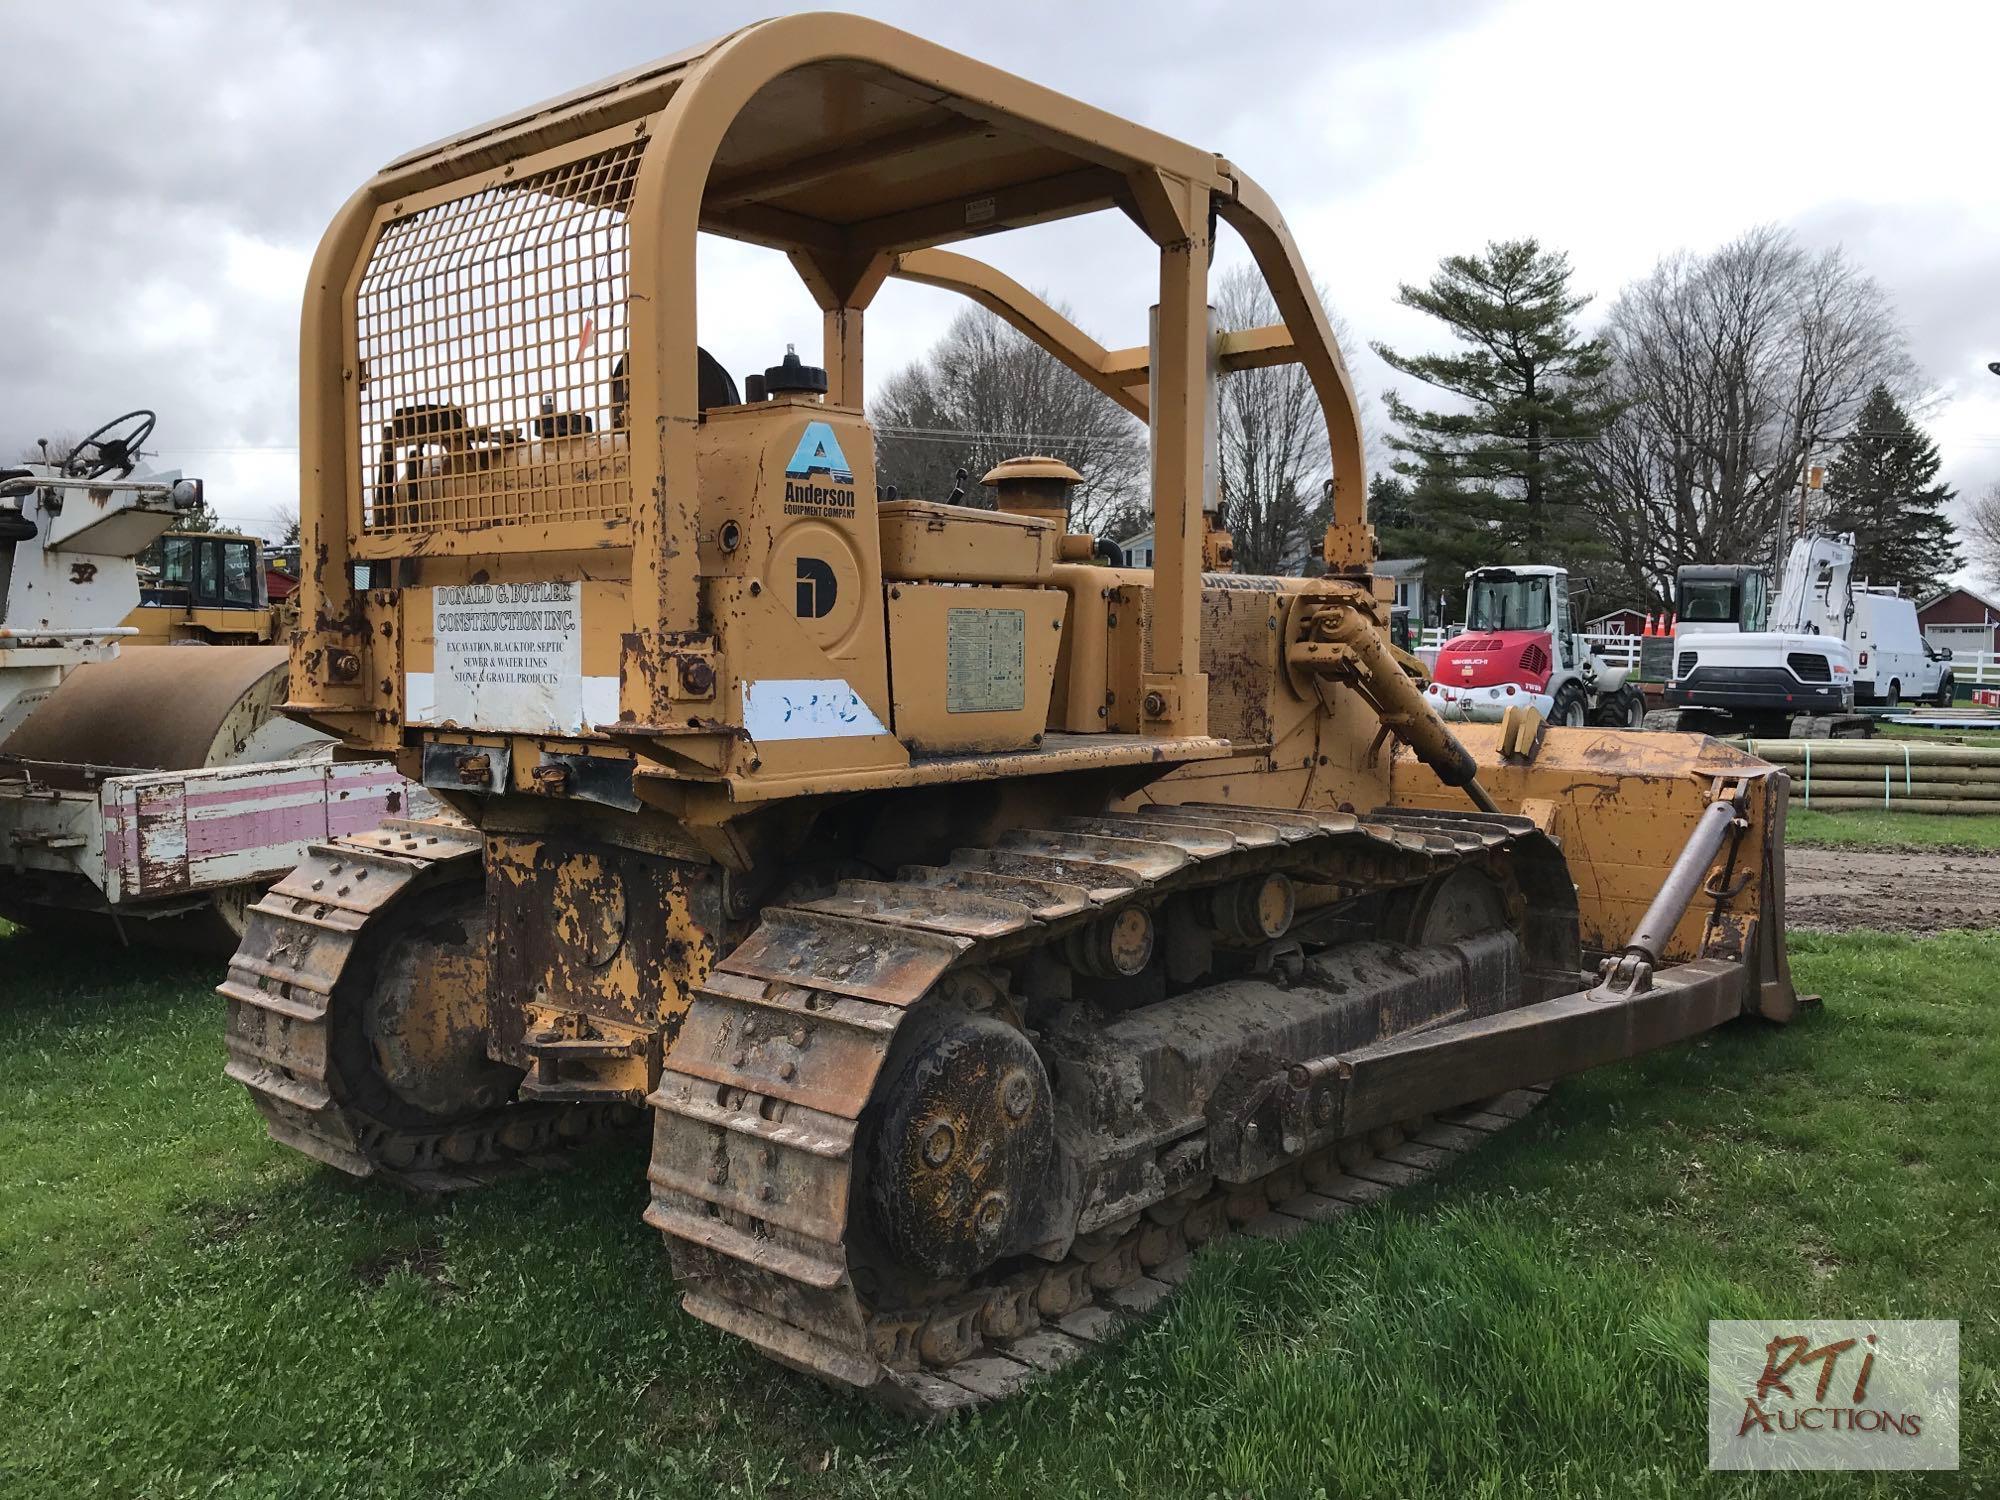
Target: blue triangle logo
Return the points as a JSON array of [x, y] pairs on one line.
[[819, 452]]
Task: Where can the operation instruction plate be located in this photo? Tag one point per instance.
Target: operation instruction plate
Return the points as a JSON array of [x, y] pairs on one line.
[[986, 660]]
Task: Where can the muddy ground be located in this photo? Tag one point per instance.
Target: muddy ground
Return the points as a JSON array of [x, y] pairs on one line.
[[1891, 890]]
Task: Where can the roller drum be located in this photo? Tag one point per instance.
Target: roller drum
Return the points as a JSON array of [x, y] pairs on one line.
[[167, 709]]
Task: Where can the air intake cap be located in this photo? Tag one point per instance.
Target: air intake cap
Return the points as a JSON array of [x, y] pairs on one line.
[[1034, 485], [794, 378]]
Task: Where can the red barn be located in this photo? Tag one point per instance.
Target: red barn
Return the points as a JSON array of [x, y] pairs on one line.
[[1618, 622], [281, 569], [1960, 621]]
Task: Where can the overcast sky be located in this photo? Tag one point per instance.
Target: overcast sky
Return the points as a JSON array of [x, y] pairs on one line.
[[165, 171]]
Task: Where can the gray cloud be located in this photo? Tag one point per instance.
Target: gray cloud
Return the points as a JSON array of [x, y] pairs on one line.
[[169, 169], [166, 172]]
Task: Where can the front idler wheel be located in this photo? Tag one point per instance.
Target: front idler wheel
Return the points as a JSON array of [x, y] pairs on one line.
[[961, 1149]]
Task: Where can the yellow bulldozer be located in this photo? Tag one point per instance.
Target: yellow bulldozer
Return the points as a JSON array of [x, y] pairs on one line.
[[981, 925]]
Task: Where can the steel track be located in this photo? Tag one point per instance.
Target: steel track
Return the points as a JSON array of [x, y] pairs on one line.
[[757, 1113], [304, 938]]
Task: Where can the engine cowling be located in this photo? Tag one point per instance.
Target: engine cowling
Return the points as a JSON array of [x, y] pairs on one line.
[[1495, 658], [1482, 674]]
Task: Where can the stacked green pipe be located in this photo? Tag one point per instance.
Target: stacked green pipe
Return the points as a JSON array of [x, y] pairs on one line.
[[1899, 775]]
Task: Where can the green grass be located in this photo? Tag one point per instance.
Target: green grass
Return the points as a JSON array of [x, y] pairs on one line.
[[1862, 829], [189, 1310]]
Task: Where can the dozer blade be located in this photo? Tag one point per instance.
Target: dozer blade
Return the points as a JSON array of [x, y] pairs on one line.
[[1621, 805]]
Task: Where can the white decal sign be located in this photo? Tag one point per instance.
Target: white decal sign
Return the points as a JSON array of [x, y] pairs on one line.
[[509, 656], [806, 708]]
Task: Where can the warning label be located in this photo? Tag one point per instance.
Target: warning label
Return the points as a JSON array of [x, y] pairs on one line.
[[509, 656], [986, 660]]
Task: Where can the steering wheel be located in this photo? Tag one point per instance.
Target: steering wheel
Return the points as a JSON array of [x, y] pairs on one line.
[[114, 450]]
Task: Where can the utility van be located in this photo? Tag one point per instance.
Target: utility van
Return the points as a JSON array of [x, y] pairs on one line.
[[1891, 663]]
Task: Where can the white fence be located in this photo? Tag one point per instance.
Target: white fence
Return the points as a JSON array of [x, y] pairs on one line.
[[1968, 668], [1980, 668]]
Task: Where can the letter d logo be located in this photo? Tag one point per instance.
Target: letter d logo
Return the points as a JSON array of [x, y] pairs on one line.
[[818, 588]]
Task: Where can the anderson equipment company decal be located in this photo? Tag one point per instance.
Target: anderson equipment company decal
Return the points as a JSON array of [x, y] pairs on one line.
[[818, 481], [986, 667], [510, 656]]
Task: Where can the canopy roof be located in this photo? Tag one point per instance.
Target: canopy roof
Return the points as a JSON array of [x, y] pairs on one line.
[[847, 143], [858, 150], [834, 124]]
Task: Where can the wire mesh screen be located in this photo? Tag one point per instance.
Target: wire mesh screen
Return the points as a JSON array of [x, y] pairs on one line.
[[492, 340]]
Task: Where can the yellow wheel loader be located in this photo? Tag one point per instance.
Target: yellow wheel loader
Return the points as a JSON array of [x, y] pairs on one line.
[[207, 588], [981, 926]]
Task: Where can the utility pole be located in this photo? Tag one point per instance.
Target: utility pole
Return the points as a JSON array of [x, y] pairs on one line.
[[1811, 477]]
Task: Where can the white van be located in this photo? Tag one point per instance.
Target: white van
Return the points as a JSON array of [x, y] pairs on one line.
[[1890, 662]]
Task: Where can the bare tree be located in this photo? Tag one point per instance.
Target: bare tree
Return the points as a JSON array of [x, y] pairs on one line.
[[55, 450], [985, 393], [1272, 440], [1982, 530], [201, 518], [1734, 371]]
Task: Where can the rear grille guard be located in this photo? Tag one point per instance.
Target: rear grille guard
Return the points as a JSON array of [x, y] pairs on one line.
[[491, 332]]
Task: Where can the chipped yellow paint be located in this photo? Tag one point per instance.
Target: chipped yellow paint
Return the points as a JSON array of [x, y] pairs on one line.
[[598, 944], [1621, 805]]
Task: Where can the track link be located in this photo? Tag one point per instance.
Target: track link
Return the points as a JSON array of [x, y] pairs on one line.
[[759, 1106], [302, 940]]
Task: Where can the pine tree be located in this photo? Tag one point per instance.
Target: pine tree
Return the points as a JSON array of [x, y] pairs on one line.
[[1426, 515], [1882, 485], [1506, 462], [1389, 507]]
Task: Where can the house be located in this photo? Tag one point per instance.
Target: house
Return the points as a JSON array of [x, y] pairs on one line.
[[1960, 621], [1408, 574], [1617, 622], [1138, 549]]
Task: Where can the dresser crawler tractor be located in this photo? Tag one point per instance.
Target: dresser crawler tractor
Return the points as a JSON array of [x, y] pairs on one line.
[[980, 924]]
